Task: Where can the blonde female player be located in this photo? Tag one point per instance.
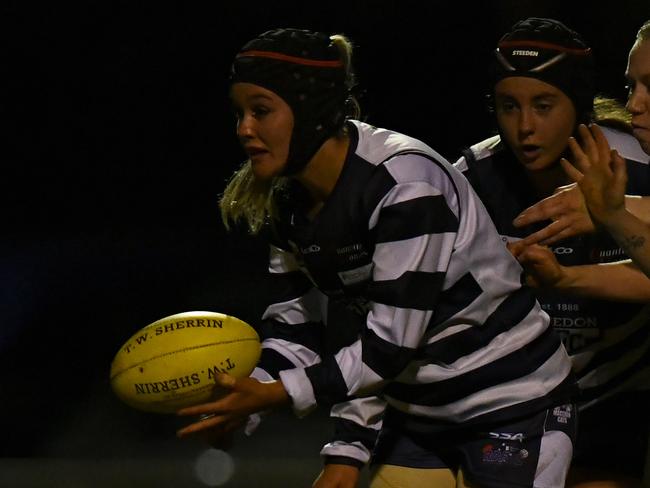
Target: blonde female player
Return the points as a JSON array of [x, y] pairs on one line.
[[448, 356]]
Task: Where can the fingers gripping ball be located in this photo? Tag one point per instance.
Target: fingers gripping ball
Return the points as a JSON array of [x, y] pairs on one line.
[[172, 363]]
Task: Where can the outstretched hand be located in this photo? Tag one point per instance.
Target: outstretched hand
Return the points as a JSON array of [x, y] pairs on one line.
[[566, 209], [600, 172], [241, 397]]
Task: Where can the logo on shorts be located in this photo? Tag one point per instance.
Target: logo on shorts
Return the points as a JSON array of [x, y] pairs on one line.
[[562, 413], [504, 454], [506, 436]]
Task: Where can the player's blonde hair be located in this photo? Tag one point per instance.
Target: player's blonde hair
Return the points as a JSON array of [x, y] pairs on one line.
[[251, 201], [612, 113], [644, 32]]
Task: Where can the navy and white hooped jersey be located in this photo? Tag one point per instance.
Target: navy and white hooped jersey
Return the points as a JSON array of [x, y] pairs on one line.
[[609, 342], [431, 318]]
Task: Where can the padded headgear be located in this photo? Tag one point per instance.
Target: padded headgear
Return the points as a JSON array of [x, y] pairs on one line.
[[551, 52], [305, 69]]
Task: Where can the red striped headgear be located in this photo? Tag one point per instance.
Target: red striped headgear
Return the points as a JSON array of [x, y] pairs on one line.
[[305, 69], [548, 50]]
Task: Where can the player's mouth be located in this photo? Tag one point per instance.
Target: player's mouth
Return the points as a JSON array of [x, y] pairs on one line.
[[530, 152], [255, 152]]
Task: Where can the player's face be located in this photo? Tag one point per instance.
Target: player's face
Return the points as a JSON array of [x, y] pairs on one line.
[[535, 119], [638, 103], [264, 127]]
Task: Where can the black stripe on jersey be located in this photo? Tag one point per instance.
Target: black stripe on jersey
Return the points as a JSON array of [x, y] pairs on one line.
[[347, 431], [414, 289], [273, 362], [327, 382], [507, 315], [286, 286], [308, 334], [413, 218], [376, 188], [618, 350], [589, 394], [519, 363], [383, 357], [455, 298], [561, 394]]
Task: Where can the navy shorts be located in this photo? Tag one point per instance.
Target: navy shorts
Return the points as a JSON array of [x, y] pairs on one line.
[[535, 450]]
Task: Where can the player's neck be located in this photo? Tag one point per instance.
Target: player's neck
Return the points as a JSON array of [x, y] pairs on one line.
[[547, 180], [323, 170]]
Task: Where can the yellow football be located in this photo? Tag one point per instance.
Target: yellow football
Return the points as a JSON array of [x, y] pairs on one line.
[[171, 363]]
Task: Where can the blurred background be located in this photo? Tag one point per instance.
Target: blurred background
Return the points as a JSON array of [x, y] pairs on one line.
[[118, 140]]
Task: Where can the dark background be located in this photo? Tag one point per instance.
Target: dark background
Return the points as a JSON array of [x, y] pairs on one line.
[[117, 140]]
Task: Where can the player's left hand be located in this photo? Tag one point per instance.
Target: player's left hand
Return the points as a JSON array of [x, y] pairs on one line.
[[242, 397], [540, 264], [337, 476], [600, 172], [567, 211]]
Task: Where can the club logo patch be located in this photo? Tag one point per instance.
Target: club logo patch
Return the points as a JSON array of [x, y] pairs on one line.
[[503, 454]]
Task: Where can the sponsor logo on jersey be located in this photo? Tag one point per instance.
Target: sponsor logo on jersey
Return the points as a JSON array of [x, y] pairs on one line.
[[574, 322], [353, 252], [310, 249], [610, 253], [562, 250], [356, 275]]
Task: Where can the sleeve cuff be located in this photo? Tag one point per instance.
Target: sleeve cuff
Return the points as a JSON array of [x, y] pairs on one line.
[[261, 375], [299, 388], [355, 453]]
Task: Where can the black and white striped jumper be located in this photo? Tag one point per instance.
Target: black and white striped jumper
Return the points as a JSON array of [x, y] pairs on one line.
[[439, 330]]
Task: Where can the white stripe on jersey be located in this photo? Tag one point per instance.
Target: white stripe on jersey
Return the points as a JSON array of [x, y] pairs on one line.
[[382, 320], [366, 411], [416, 170], [296, 311], [359, 378], [300, 356], [421, 253]]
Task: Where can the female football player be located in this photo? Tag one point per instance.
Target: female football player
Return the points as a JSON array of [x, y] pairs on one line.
[[444, 353]]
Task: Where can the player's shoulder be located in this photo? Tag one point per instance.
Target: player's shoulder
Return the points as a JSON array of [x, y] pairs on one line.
[[626, 145], [480, 151], [377, 145]]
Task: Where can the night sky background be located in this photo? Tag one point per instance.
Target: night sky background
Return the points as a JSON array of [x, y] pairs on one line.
[[118, 138]]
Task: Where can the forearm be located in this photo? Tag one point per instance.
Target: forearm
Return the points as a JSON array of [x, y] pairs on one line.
[[633, 235], [639, 207], [621, 281]]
